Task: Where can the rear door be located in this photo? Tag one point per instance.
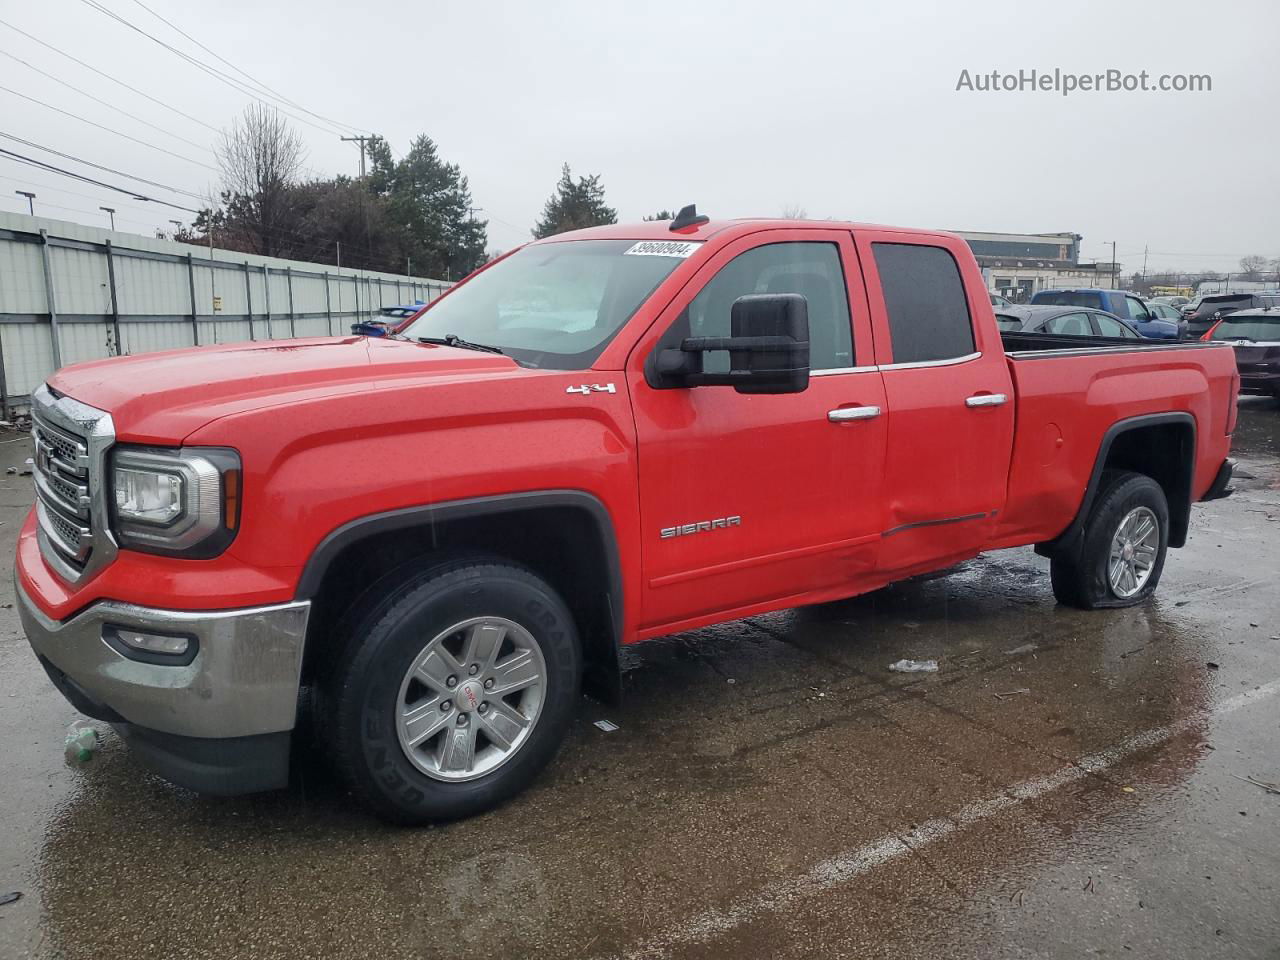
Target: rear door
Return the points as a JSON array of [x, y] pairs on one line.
[[949, 396]]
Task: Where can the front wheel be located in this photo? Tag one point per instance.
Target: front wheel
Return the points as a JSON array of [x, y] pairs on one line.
[[454, 691], [1125, 541]]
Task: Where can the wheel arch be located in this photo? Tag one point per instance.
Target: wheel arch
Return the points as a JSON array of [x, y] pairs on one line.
[[1159, 445], [565, 536]]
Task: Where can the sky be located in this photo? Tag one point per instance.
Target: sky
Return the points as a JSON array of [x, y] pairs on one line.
[[844, 110]]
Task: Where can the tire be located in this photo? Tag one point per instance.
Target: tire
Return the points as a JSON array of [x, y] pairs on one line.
[[409, 622], [1086, 581]]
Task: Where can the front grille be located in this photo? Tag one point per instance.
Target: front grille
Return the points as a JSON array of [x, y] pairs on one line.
[[71, 441]]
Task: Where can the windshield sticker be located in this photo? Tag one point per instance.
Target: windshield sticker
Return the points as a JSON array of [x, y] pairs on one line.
[[662, 248]]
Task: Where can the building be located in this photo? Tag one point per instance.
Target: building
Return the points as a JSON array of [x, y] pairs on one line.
[[1017, 265]]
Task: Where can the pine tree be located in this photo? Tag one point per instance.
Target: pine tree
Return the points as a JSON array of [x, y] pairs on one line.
[[574, 204], [432, 199], [663, 214]]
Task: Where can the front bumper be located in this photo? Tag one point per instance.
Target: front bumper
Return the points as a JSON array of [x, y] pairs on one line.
[[220, 723]]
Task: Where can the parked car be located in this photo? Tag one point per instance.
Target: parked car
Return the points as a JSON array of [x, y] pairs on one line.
[[1065, 321], [387, 320], [1203, 312], [1255, 335], [1178, 302], [1118, 302], [429, 541], [1167, 311], [998, 301]]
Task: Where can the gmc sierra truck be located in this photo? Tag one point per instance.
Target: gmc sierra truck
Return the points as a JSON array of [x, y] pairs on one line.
[[427, 543]]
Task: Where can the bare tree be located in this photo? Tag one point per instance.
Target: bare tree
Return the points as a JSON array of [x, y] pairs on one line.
[[1252, 266], [261, 160], [793, 211]]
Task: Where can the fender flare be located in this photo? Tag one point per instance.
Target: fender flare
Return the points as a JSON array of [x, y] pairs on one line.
[[1068, 542], [361, 528]]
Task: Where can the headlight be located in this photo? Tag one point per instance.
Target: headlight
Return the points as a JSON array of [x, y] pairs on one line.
[[175, 501]]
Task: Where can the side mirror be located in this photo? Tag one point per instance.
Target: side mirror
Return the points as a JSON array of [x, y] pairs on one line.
[[768, 351]]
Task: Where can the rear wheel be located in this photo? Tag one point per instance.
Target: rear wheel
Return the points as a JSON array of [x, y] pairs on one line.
[[1125, 541], [454, 690]]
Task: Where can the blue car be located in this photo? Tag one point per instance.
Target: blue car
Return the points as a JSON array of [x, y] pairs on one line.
[[386, 320], [1122, 304]]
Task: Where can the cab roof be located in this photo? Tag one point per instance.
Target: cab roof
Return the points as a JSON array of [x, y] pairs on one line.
[[661, 229]]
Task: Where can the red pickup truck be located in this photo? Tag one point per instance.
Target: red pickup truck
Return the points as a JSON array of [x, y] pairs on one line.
[[427, 543]]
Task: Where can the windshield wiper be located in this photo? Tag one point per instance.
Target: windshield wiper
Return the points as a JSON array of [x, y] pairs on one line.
[[453, 340]]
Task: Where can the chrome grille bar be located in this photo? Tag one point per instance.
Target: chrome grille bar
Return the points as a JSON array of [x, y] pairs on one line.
[[71, 443]]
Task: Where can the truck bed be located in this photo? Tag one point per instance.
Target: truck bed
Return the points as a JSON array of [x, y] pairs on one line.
[[1071, 390]]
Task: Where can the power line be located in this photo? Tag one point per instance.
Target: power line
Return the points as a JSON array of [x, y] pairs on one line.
[[108, 76], [106, 103], [243, 73], [40, 164], [98, 166], [75, 116], [237, 85]]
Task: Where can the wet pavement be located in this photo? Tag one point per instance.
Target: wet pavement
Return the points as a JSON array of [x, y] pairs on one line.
[[1068, 784]]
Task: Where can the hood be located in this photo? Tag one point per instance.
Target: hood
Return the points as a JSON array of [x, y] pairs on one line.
[[163, 397]]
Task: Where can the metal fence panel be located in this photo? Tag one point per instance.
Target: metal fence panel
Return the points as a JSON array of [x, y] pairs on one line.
[[85, 341], [28, 356], [147, 335], [166, 295], [22, 289]]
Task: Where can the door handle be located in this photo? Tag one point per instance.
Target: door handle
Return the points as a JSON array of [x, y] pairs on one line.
[[986, 400], [841, 414]]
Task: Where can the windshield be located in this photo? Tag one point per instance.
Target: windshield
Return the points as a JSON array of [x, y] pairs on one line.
[[1070, 298], [1248, 328], [554, 305]]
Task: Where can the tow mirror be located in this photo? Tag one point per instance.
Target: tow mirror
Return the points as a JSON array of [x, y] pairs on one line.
[[768, 351]]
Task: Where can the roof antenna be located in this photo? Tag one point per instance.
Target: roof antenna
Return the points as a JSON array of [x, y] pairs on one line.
[[686, 218]]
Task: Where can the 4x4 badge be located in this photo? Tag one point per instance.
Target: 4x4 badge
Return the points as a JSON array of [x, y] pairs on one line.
[[592, 388]]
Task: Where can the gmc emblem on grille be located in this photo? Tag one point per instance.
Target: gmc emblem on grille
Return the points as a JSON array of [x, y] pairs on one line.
[[702, 526]]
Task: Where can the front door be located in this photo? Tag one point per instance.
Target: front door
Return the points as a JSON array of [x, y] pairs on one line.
[[950, 400], [746, 499]]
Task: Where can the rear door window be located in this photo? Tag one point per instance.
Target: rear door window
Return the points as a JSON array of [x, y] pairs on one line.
[[1070, 298], [1110, 327], [1070, 325], [925, 301]]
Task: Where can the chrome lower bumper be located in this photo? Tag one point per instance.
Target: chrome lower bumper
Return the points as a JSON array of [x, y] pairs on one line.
[[242, 682]]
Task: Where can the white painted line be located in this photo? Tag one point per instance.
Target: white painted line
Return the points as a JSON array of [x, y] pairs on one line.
[[844, 867]]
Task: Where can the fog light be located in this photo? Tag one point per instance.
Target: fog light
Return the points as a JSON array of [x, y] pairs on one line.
[[165, 648], [152, 643]]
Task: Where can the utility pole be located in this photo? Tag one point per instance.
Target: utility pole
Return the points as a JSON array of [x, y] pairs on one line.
[[31, 207], [1115, 270], [362, 141], [1145, 248], [364, 205], [111, 212], [177, 225]]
